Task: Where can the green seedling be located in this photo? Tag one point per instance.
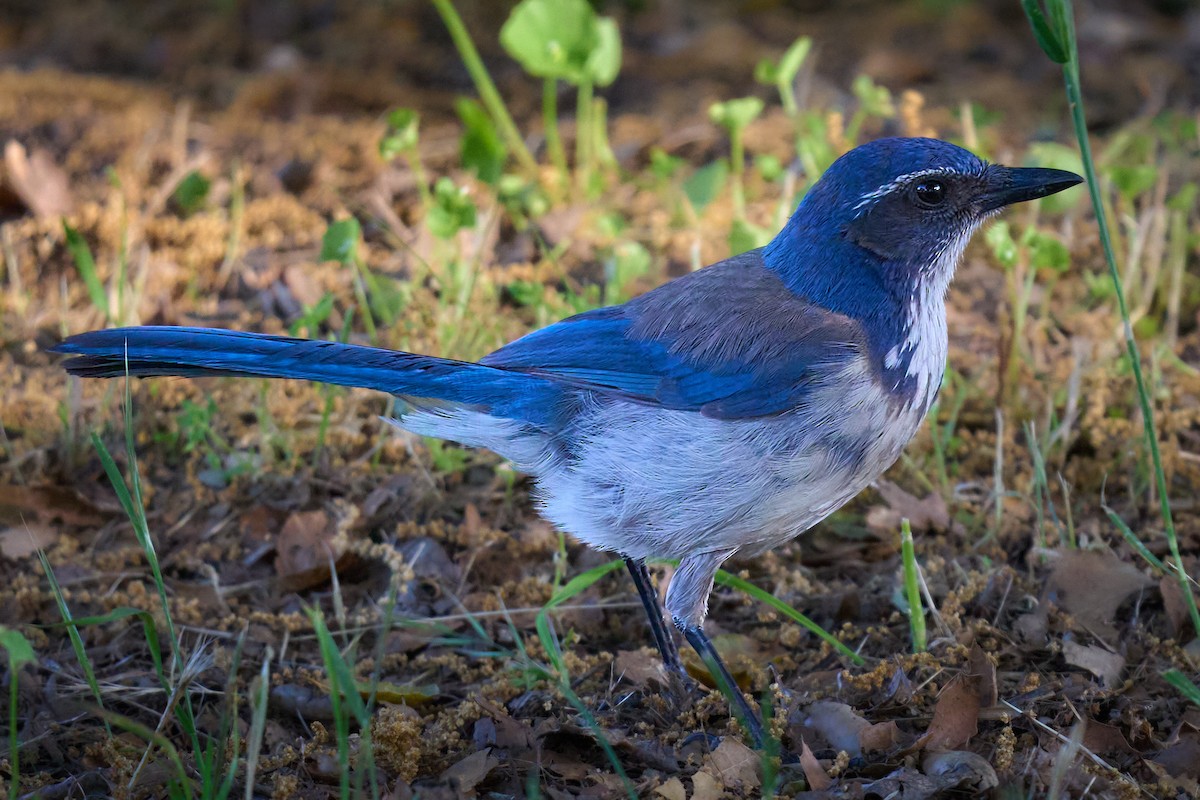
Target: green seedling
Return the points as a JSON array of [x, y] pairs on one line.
[[402, 139], [485, 86], [912, 588], [82, 254], [873, 101], [782, 73], [379, 298], [735, 116], [565, 40], [481, 149], [627, 262], [191, 193], [19, 653], [703, 186]]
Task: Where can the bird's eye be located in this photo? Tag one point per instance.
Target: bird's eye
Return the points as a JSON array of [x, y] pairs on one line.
[[930, 193]]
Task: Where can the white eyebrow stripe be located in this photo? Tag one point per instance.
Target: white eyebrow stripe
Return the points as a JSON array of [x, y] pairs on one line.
[[896, 183]]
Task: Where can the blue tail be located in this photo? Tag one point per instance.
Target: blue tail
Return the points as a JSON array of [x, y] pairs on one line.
[[195, 352]]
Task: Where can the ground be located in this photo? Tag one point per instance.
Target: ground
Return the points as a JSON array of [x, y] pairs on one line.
[[200, 152]]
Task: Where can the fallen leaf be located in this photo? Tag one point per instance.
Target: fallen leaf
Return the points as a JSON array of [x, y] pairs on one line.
[[40, 183], [735, 765], [981, 668], [640, 668], [928, 513], [22, 541], [1174, 603], [1103, 664], [304, 550], [1182, 759], [1101, 738], [706, 787], [838, 724], [967, 768], [469, 772], [671, 790], [1091, 585], [814, 773], [955, 717], [910, 784], [880, 736]]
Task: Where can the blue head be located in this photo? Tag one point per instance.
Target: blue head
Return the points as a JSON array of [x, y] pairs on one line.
[[892, 217]]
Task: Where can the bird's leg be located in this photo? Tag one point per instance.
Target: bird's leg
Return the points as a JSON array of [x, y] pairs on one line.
[[687, 600], [728, 686], [658, 624]]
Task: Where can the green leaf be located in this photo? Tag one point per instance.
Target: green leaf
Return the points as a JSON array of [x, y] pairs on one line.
[[664, 165], [792, 60], [340, 242], [704, 184], [190, 194], [769, 166], [1047, 252], [745, 236], [402, 133], [735, 115], [86, 265], [1051, 43], [629, 261], [1134, 181], [563, 39], [876, 100], [1185, 686], [604, 62], [20, 651], [481, 149], [1000, 241], [452, 209]]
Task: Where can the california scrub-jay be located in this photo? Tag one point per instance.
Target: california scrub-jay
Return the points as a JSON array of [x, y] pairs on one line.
[[724, 412]]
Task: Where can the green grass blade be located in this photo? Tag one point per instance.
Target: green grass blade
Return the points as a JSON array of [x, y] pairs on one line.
[[1181, 682], [734, 582], [1064, 13], [86, 265], [85, 663], [912, 588]]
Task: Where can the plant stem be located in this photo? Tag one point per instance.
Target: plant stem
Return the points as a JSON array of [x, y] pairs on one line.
[[912, 590], [583, 135], [483, 84], [554, 145], [737, 164], [1075, 100]]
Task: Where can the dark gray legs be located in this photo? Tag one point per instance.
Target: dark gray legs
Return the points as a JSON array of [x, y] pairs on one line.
[[663, 639], [699, 642]]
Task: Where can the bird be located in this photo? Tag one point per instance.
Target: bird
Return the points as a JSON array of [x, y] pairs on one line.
[[724, 412]]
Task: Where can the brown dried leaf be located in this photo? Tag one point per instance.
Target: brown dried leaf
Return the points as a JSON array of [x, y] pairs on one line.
[[304, 550], [1091, 585], [40, 183], [469, 772], [1174, 603], [1182, 759], [671, 790], [814, 773], [1100, 662], [955, 717], [735, 765], [838, 724], [1101, 738], [928, 513], [878, 737], [706, 787], [22, 541], [964, 766], [640, 668], [981, 668]]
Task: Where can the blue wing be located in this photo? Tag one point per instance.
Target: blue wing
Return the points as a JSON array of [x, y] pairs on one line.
[[730, 341]]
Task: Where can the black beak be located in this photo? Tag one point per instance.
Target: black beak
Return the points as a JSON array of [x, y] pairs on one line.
[[1008, 185]]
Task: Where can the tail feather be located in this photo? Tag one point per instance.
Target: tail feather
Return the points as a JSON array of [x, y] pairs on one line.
[[195, 352]]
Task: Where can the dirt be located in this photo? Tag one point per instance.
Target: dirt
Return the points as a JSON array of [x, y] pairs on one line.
[[1051, 634]]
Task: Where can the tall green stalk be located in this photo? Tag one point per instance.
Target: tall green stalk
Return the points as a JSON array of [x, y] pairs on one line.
[[1057, 39], [488, 93]]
